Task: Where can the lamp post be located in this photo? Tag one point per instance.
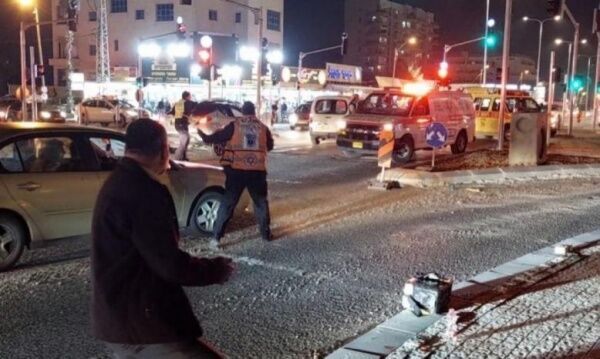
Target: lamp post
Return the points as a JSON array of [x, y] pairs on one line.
[[571, 72], [411, 41], [541, 23]]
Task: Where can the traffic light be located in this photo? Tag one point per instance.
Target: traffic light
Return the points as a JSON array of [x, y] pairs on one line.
[[40, 70], [204, 56], [443, 70], [491, 40], [344, 48], [558, 75], [554, 7], [577, 83], [72, 15]]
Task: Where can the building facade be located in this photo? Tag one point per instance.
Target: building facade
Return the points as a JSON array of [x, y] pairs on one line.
[[378, 28], [469, 69], [131, 21]]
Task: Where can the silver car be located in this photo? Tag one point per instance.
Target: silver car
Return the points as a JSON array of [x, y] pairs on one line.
[[51, 174]]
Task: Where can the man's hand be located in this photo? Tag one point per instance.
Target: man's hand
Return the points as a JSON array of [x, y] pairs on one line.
[[222, 268]]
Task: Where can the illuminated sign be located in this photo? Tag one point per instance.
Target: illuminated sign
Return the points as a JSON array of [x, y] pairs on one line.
[[343, 73]]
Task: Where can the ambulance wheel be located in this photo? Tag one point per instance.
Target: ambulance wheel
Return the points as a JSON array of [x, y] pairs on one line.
[[460, 146], [404, 150], [315, 140], [507, 133]]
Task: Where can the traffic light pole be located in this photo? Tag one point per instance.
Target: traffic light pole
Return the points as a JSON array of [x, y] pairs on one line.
[[569, 14], [447, 48], [505, 58], [485, 47], [24, 115], [550, 96], [39, 41], [301, 57]]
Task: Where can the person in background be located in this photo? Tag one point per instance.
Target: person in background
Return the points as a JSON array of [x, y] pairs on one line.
[[274, 109], [139, 308], [244, 161], [182, 111], [284, 110]]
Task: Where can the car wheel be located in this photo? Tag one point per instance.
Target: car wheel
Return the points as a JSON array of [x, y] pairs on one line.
[[404, 149], [293, 128], [315, 140], [460, 146], [12, 242], [507, 133], [204, 214], [553, 132]]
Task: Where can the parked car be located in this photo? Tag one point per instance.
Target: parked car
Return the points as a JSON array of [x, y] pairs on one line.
[[10, 110], [325, 113], [106, 111], [51, 175], [299, 119], [407, 115]]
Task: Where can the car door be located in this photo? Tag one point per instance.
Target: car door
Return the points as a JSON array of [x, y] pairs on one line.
[[52, 184], [106, 112], [89, 110]]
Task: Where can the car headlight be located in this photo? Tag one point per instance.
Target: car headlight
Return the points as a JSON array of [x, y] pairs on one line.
[[45, 115], [63, 114], [2, 114], [131, 113], [388, 127], [293, 119], [341, 124]]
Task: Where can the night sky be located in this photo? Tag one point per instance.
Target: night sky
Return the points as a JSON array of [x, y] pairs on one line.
[[313, 24]]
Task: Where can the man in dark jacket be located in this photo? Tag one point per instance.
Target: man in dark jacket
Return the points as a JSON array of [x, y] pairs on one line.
[[244, 162], [138, 306]]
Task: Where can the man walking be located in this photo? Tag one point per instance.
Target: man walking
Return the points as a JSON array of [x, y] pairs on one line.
[[244, 161], [182, 112], [139, 308]]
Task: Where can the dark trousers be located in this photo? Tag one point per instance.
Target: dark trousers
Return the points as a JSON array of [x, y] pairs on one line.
[[183, 350], [235, 183]]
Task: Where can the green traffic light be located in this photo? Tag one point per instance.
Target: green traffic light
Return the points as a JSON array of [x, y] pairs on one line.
[[491, 40]]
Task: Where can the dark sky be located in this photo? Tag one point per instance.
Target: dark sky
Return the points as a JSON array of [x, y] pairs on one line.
[[311, 24]]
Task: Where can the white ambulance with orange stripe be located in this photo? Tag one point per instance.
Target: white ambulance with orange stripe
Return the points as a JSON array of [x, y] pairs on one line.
[[407, 111]]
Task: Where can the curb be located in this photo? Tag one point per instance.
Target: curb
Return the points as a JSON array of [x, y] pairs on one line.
[[388, 336], [496, 175]]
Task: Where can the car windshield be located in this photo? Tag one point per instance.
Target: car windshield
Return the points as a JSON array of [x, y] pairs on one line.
[[121, 103], [386, 104]]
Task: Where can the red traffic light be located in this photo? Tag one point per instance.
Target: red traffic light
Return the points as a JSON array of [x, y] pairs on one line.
[[204, 55], [443, 70]]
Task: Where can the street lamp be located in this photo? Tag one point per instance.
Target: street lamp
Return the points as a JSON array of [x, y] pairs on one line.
[[410, 41], [275, 57], [541, 22]]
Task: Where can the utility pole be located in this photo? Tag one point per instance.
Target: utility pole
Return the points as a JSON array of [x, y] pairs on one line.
[[485, 45], [34, 112], [23, 72], [550, 95], [102, 53], [505, 58], [39, 41], [569, 14]]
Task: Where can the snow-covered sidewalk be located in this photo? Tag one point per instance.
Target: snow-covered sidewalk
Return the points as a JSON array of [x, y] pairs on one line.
[[552, 312]]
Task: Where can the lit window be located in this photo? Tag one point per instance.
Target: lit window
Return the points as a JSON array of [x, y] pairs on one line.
[[165, 12], [118, 6], [140, 15], [273, 20], [213, 15]]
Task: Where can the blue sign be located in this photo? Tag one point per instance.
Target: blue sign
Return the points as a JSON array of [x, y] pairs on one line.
[[436, 135]]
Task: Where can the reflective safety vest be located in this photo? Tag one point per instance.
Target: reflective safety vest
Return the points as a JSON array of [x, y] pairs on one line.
[[247, 148], [179, 108]]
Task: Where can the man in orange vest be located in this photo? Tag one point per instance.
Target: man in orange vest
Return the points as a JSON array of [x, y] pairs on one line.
[[244, 162]]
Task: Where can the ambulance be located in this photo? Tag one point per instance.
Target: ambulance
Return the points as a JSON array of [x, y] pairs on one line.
[[407, 111], [487, 108]]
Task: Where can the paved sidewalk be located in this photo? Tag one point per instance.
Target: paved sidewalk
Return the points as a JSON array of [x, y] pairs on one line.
[[547, 312]]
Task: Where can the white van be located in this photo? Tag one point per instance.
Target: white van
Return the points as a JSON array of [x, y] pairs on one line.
[[325, 114], [408, 115]]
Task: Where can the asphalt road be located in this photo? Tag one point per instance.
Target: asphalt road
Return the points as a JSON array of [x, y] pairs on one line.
[[336, 269]]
